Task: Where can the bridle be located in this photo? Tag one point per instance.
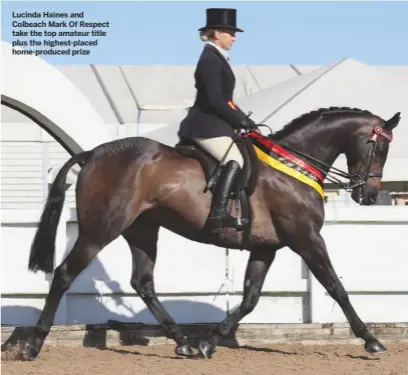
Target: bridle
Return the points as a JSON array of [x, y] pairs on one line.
[[355, 180]]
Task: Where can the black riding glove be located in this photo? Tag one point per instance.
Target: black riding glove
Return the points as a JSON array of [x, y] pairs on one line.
[[248, 124]]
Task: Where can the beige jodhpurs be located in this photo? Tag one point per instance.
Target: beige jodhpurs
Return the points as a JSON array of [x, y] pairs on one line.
[[217, 147]]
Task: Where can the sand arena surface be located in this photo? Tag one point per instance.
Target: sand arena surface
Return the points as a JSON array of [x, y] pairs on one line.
[[264, 359]]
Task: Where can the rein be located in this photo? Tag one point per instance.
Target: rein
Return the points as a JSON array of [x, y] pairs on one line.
[[330, 173]]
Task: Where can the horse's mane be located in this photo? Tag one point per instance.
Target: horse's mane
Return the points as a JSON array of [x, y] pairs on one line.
[[306, 118]]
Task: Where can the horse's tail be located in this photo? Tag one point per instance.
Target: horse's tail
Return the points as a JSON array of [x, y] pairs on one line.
[[43, 245]]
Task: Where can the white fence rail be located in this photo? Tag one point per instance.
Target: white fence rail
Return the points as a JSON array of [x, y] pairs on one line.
[[199, 283]]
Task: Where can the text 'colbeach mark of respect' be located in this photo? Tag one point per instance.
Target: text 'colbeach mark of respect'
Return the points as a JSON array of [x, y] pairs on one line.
[[46, 37]]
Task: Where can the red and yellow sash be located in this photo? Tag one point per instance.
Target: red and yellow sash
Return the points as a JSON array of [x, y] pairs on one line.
[[286, 162]]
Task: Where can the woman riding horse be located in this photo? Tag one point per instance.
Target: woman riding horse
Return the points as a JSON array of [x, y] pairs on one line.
[[214, 117]]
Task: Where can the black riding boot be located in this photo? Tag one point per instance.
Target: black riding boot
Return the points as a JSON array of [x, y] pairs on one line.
[[219, 219]]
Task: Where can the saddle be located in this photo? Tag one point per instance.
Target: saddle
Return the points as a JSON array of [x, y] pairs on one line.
[[246, 183]]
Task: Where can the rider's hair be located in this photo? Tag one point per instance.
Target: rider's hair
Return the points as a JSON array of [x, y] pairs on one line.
[[207, 35]]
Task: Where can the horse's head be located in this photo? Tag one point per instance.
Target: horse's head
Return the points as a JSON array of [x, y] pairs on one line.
[[366, 154], [320, 136]]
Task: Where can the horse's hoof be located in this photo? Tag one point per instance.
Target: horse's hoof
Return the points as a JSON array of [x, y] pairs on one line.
[[31, 352], [185, 350], [375, 347], [206, 349]]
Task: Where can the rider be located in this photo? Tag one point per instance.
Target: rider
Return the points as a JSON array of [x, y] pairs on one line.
[[214, 116]]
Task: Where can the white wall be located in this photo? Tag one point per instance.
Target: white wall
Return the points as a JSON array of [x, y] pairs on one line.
[[27, 155], [199, 283]]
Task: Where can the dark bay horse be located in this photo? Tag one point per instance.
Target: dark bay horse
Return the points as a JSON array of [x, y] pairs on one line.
[[134, 186]]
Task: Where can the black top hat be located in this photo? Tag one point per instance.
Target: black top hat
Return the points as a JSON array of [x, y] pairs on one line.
[[221, 18]]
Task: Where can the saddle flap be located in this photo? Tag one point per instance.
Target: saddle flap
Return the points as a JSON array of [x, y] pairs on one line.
[[250, 171]]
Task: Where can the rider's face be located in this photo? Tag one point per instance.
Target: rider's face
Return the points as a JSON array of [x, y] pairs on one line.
[[225, 38]]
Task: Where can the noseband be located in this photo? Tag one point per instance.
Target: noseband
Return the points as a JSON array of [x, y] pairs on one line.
[[356, 180]]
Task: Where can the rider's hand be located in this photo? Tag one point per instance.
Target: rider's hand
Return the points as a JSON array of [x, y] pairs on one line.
[[248, 124]]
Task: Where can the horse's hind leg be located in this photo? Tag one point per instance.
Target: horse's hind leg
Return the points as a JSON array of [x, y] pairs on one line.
[[142, 237], [314, 253], [81, 255]]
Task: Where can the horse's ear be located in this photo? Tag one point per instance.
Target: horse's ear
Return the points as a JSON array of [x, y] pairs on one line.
[[392, 122]]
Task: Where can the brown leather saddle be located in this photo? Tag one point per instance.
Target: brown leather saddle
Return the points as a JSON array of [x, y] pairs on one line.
[[246, 183]]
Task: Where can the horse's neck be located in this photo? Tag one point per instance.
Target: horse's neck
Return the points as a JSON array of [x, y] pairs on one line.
[[324, 144]]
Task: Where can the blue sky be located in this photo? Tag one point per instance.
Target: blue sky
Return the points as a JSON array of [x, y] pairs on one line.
[[314, 33]]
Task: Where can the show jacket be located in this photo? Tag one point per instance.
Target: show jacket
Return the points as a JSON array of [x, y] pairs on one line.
[[214, 113]]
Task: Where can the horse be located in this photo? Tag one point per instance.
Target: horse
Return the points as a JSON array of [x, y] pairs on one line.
[[134, 186]]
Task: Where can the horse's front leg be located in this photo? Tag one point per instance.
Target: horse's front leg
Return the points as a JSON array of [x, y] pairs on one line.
[[313, 251], [257, 268]]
